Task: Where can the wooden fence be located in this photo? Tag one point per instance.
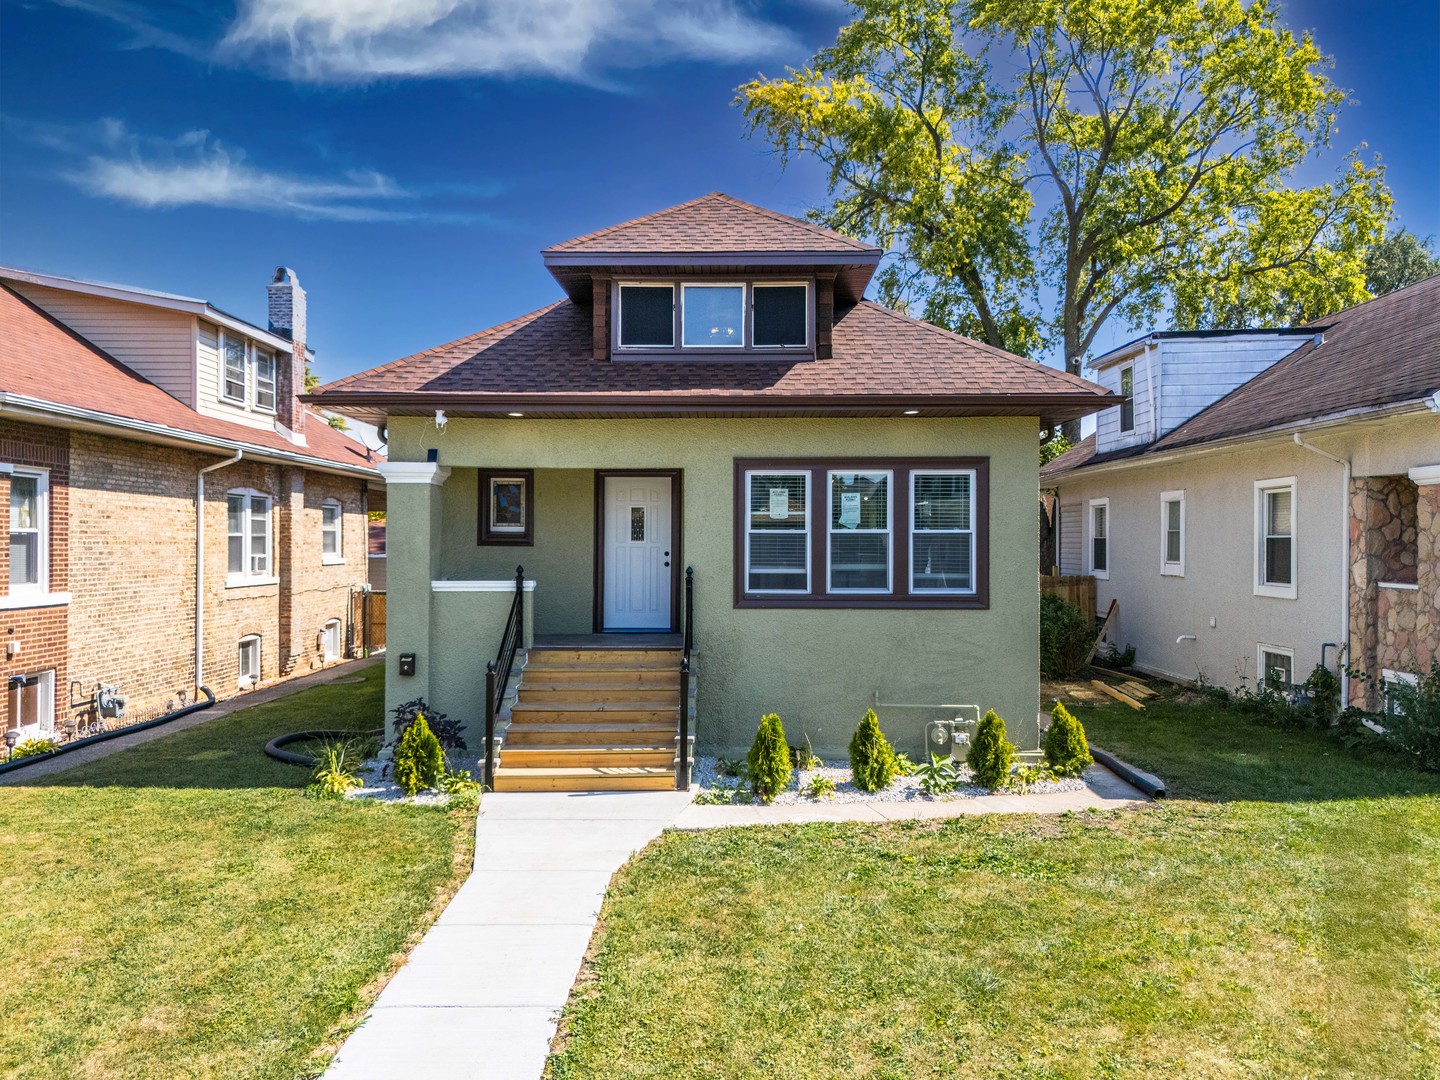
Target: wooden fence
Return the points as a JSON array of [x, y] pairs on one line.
[[1079, 589], [367, 622]]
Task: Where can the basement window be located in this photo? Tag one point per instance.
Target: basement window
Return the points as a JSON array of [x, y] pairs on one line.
[[249, 661]]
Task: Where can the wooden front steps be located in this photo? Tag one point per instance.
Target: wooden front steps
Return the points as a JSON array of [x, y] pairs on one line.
[[603, 719]]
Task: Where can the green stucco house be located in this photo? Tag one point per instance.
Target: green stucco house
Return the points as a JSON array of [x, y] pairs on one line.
[[854, 491]]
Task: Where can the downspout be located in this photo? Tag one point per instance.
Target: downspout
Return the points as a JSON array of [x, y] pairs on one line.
[[200, 562], [1344, 638]]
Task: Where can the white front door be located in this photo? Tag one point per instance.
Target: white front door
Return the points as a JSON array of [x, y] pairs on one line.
[[637, 553]]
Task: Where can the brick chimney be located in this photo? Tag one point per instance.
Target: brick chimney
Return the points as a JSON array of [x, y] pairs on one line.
[[287, 318]]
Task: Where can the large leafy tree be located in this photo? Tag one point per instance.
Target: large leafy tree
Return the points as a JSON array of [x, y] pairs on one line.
[[1133, 156], [1401, 259]]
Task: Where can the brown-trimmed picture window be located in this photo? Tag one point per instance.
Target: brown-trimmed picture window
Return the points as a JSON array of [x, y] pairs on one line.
[[507, 506], [877, 532]]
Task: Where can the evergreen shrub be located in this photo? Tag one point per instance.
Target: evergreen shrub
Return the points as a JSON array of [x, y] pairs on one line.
[[769, 760], [1066, 751], [991, 753], [419, 760], [872, 759]]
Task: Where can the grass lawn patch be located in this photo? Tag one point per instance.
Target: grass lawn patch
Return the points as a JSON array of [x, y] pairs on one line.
[[181, 909], [1279, 916]]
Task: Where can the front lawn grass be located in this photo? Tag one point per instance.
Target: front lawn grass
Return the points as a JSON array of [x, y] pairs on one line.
[[182, 910], [1279, 916]]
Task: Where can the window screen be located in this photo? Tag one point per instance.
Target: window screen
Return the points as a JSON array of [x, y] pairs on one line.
[[713, 316], [859, 532], [781, 315], [647, 315], [777, 533], [942, 546]]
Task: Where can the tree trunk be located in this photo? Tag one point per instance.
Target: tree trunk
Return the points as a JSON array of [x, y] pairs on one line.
[[1071, 428]]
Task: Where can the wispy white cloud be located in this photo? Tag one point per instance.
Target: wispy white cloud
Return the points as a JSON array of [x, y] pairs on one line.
[[360, 41], [108, 160]]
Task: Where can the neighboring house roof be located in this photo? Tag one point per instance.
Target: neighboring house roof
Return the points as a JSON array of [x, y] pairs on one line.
[[714, 223], [47, 370], [150, 298], [542, 364], [1377, 355]]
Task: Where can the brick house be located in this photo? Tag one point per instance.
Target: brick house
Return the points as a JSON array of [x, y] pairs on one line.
[[121, 412], [1266, 500]]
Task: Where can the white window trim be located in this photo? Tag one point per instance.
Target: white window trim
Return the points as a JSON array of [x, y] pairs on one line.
[[1168, 568], [969, 533], [246, 577], [804, 475], [756, 286], [889, 532], [1257, 543], [242, 679], [338, 557], [36, 594], [1120, 418], [744, 328], [1102, 575], [244, 397], [1261, 648], [45, 722]]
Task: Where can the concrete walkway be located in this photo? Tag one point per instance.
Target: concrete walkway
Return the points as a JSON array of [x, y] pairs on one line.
[[479, 996], [347, 670]]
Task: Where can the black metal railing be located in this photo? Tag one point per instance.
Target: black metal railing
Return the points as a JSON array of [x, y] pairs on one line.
[[682, 755], [497, 672]]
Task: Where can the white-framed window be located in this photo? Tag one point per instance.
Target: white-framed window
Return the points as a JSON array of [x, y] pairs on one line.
[[31, 703], [249, 660], [330, 640], [1172, 533], [858, 538], [777, 532], [264, 379], [1389, 680], [1274, 666], [712, 315], [1099, 555], [332, 521], [942, 531], [1127, 391], [1276, 557], [248, 538], [234, 367], [29, 532]]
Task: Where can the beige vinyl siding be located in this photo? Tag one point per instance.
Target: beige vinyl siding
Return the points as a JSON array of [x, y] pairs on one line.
[[156, 344], [207, 351]]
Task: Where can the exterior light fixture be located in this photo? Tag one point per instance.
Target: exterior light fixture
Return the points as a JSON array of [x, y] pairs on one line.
[[912, 412], [515, 414], [440, 419]]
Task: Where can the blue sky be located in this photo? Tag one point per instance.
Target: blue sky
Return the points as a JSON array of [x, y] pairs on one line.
[[410, 170]]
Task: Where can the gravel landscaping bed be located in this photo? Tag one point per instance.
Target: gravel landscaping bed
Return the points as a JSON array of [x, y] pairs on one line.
[[376, 781], [902, 789]]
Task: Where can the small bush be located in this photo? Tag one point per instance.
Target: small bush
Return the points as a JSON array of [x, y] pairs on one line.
[[336, 768], [725, 766], [1065, 638], [820, 787], [419, 760], [31, 747], [938, 775], [1117, 657], [1412, 719], [1323, 689], [1066, 751], [872, 759], [904, 766], [1027, 776], [991, 753], [447, 731], [769, 760], [803, 757]]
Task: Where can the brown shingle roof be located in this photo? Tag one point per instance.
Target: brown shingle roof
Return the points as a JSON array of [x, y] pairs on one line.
[[1382, 352], [878, 355], [42, 359], [712, 223]]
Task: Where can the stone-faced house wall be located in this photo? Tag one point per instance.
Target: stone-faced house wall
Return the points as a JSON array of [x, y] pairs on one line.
[[1394, 575]]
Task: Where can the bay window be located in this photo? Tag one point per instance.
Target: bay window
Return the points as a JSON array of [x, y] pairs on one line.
[[861, 533]]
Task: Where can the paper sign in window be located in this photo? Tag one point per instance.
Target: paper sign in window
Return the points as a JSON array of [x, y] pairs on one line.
[[849, 509], [779, 504]]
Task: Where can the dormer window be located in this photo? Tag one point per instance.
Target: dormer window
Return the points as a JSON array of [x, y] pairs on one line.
[[1127, 391], [248, 372], [705, 316]]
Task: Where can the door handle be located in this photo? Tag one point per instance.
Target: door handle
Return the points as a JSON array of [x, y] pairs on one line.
[[667, 554], [667, 562]]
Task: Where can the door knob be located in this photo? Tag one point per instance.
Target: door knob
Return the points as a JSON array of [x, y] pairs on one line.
[[667, 554]]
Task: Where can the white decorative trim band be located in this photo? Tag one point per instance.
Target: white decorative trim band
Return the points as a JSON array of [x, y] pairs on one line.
[[1425, 474], [478, 586], [414, 472], [22, 600], [1399, 585]]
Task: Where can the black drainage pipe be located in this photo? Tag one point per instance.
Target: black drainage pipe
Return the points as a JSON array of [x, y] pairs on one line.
[[275, 747], [1149, 783], [90, 740]]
